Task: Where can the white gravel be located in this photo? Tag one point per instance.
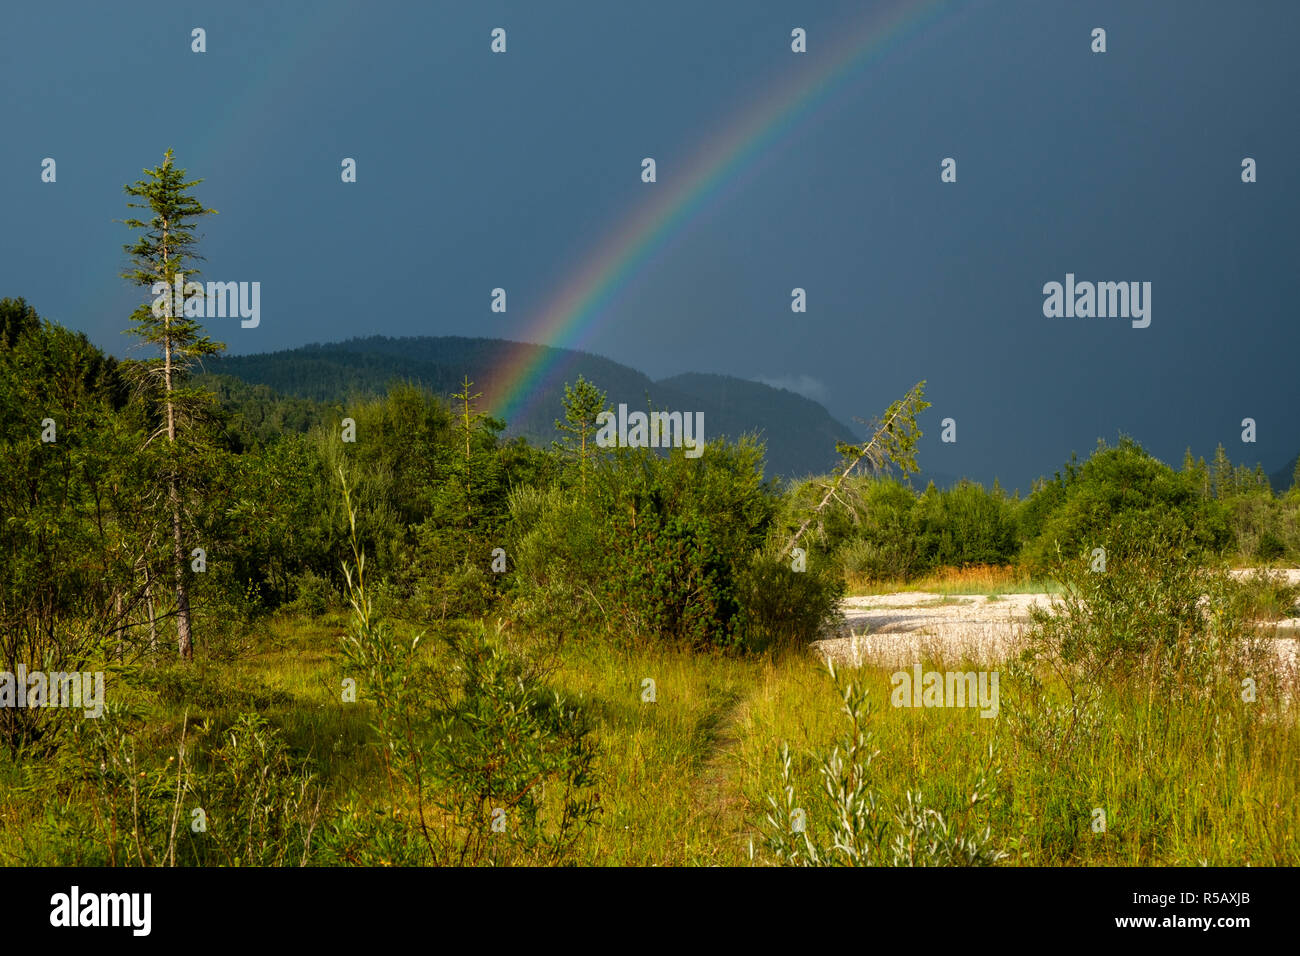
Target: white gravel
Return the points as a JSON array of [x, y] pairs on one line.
[[900, 629]]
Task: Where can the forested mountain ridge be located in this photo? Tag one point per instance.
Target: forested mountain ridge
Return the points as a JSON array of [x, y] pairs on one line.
[[799, 433]]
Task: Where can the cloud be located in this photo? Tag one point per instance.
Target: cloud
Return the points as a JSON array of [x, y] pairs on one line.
[[804, 385]]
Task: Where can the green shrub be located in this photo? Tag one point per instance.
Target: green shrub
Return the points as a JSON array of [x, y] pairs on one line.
[[1152, 607], [1265, 597], [313, 595], [482, 764], [782, 607], [1256, 522], [658, 549], [856, 830], [896, 560], [1118, 484], [965, 525], [244, 802]]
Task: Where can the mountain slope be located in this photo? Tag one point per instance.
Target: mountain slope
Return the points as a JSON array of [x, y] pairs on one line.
[[1282, 479], [800, 434], [797, 430]]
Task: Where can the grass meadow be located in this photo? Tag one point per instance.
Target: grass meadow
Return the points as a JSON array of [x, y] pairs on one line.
[[1193, 778]]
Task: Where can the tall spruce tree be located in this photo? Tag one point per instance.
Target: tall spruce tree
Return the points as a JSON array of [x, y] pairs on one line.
[[164, 251]]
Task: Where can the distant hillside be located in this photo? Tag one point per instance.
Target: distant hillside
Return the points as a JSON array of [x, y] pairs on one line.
[[800, 434], [1282, 479]]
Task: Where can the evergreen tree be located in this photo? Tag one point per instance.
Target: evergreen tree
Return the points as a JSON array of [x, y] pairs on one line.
[[1222, 473], [582, 404], [467, 419], [1197, 472], [1261, 478], [162, 253], [17, 318], [893, 442]]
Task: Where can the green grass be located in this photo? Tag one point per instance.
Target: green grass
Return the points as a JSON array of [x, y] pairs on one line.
[[684, 779], [1267, 597], [987, 580]]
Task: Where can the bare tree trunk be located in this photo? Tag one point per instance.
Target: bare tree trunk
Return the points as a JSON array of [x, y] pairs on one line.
[[118, 622], [153, 618], [183, 639]]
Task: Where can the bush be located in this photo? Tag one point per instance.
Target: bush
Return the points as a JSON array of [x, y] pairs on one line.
[[782, 607], [313, 595], [658, 549], [557, 564], [247, 802], [896, 560], [1252, 520], [482, 764], [1152, 608], [859, 832], [1265, 597], [1122, 484], [449, 576], [965, 525]]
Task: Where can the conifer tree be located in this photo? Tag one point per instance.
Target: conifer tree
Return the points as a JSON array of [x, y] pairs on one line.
[[893, 442], [583, 402], [164, 251], [1260, 478], [467, 421], [1197, 472], [1223, 475]]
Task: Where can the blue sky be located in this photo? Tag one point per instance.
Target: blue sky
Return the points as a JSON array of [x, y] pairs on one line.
[[478, 170]]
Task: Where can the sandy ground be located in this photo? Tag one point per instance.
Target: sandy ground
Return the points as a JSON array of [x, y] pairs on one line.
[[900, 629]]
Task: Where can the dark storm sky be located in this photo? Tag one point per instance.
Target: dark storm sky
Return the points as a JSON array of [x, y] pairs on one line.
[[478, 170]]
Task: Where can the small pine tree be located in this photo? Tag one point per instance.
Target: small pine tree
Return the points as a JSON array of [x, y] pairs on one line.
[[583, 402], [467, 419], [1196, 472], [1261, 478], [1223, 475]]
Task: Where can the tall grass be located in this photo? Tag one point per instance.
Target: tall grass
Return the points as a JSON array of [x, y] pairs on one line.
[[987, 579], [1145, 700]]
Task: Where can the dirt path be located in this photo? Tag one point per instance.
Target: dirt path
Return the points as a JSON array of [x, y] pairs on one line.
[[714, 789]]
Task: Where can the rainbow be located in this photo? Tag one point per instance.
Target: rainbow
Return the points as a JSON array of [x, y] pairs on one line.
[[718, 169]]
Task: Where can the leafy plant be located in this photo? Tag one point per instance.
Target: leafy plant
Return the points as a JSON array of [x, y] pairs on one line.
[[482, 765], [858, 831]]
